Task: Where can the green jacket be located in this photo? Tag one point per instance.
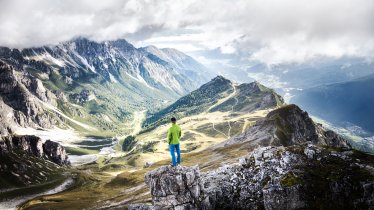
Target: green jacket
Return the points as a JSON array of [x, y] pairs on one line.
[[174, 134]]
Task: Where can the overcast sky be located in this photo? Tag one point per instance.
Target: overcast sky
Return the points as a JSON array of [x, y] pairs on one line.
[[266, 31]]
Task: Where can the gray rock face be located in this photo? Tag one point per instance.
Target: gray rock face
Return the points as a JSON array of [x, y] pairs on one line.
[[296, 177], [55, 152], [20, 97], [33, 145], [81, 98], [81, 58], [174, 188], [141, 206]]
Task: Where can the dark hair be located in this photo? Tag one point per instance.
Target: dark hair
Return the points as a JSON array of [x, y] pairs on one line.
[[173, 119]]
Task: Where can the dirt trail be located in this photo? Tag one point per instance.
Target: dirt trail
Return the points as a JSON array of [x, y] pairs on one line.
[[219, 130], [228, 135]]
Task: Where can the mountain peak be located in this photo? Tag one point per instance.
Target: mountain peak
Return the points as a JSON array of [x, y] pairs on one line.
[[220, 78], [81, 41], [218, 82], [122, 43]]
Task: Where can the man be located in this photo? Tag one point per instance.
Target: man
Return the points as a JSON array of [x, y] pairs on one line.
[[174, 134]]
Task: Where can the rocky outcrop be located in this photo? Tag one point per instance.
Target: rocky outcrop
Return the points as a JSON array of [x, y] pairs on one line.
[[174, 187], [83, 97], [55, 152], [295, 177], [27, 161], [286, 126], [33, 145]]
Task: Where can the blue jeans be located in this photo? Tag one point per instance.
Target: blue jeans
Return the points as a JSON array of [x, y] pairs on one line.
[[173, 148]]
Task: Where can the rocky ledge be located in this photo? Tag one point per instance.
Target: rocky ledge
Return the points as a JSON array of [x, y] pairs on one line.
[[295, 177]]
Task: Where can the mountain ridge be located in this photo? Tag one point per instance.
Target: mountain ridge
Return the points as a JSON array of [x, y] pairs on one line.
[[219, 94]]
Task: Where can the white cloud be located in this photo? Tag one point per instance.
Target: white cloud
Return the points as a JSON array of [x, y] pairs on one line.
[[269, 31], [227, 49]]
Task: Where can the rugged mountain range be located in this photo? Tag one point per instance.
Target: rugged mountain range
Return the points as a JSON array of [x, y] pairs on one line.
[[221, 108], [220, 94], [100, 84], [307, 168]]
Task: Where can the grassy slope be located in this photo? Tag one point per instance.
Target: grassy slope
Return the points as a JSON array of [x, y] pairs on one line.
[[193, 103], [103, 186], [199, 132]]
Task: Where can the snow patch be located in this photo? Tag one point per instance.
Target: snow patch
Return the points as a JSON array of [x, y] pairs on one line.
[[112, 78], [62, 136], [47, 58], [84, 61], [76, 160], [139, 79]]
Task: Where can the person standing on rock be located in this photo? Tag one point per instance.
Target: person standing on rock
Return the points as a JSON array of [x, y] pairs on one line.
[[174, 134]]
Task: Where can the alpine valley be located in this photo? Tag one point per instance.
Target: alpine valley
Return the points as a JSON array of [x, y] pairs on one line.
[[84, 125]]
